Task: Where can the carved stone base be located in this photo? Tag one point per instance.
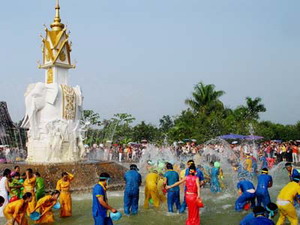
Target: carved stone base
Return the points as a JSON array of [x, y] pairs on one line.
[[39, 152]]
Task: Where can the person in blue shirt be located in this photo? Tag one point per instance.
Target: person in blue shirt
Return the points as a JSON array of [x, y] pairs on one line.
[[270, 212], [133, 180], [199, 174], [264, 182], [247, 191], [254, 165], [214, 178], [173, 194], [293, 172], [264, 161], [100, 204], [260, 217], [247, 218]]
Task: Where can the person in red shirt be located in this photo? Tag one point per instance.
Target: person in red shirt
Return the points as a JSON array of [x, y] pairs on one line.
[[295, 153], [192, 194]]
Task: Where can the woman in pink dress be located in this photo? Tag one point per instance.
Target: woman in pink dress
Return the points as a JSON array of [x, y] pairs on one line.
[[192, 194]]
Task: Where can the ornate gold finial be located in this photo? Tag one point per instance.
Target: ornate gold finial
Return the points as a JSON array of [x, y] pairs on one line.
[[57, 25]]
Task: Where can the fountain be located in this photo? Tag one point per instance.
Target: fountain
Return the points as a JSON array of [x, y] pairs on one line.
[[53, 119]]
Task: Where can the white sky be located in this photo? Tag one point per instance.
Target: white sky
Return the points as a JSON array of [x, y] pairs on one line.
[[144, 56]]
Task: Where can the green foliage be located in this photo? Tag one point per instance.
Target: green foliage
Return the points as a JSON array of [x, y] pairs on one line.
[[165, 124], [205, 99], [92, 117], [145, 131], [206, 118]]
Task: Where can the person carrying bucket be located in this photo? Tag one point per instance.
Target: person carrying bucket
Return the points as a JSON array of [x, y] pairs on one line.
[[247, 194], [173, 195], [264, 182], [151, 191], [44, 208], [199, 174], [192, 195], [16, 211], [133, 180], [100, 202]]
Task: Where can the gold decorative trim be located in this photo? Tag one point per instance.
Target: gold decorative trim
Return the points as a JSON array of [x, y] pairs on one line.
[[50, 76], [48, 65], [62, 56], [69, 102]]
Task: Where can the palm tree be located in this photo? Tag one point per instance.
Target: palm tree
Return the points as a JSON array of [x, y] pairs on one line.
[[91, 117], [205, 98], [254, 107]]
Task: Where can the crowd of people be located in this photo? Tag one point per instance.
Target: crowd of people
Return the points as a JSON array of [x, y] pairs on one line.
[[11, 154], [259, 198], [160, 180], [24, 194], [274, 151]]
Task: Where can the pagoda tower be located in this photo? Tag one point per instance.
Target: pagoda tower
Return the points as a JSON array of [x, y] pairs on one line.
[[53, 108], [56, 51]]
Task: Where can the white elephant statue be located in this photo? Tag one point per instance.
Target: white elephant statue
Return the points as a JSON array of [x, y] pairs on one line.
[[52, 116]]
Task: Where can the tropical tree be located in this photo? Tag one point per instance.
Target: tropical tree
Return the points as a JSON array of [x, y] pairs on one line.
[[91, 117], [145, 131], [205, 99], [165, 124], [254, 107], [118, 127]]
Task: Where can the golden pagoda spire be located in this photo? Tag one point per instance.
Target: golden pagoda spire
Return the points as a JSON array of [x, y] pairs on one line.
[[56, 45], [57, 25]]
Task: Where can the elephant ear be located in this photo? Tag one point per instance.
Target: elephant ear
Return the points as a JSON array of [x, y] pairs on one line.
[[30, 87], [51, 94], [79, 97], [25, 122]]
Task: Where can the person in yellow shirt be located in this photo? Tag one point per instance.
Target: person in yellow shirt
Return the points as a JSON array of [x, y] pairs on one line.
[[15, 211], [248, 163], [44, 207], [285, 201], [29, 185], [63, 185], [151, 191]]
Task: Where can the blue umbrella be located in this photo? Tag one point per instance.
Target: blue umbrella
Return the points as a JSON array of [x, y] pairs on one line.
[[232, 136], [253, 137]]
